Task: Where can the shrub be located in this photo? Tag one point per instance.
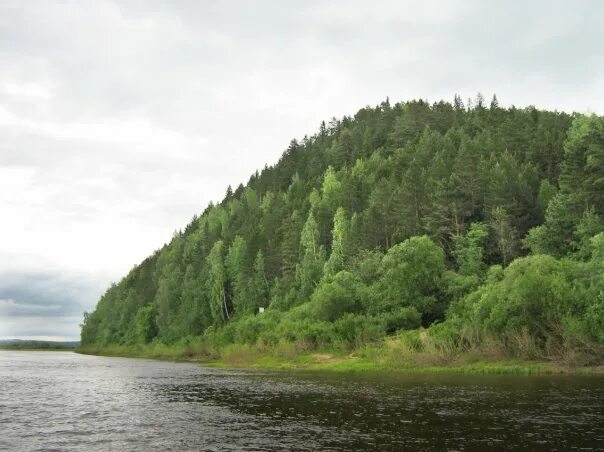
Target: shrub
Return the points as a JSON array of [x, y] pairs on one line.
[[354, 329], [400, 319], [538, 303], [412, 276], [335, 297]]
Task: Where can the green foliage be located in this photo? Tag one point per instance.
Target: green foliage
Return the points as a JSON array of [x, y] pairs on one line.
[[217, 279], [400, 216], [581, 192], [310, 269], [535, 295], [505, 234], [259, 284], [411, 276], [367, 265], [340, 234], [146, 326], [552, 301], [469, 250], [337, 296], [406, 318], [546, 193], [237, 266]]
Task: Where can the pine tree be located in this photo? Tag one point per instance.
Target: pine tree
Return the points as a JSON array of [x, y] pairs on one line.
[[494, 102], [289, 245], [259, 282], [237, 273]]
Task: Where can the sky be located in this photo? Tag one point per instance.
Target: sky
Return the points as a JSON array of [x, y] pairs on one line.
[[121, 120]]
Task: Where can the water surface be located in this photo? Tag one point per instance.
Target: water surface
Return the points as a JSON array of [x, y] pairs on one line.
[[66, 401]]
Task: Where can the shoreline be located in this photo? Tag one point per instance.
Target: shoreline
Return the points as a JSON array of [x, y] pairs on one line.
[[335, 361]]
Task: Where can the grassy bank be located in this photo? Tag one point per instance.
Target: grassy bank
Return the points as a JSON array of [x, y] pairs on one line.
[[390, 355]]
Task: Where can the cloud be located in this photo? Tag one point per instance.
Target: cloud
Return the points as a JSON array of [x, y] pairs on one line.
[[120, 120], [22, 294], [45, 303]]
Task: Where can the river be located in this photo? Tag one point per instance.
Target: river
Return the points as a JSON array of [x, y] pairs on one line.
[[66, 401]]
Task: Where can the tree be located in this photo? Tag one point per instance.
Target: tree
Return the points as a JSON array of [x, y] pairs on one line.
[[381, 219], [289, 244], [195, 314], [331, 190], [237, 271], [310, 269], [411, 276], [469, 250], [494, 102], [458, 103], [336, 260], [260, 285], [546, 193], [479, 101], [594, 165], [217, 280], [337, 296], [580, 193], [505, 234], [168, 296], [537, 295], [146, 326]]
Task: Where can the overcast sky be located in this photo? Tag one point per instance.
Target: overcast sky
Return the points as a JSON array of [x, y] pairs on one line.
[[120, 120]]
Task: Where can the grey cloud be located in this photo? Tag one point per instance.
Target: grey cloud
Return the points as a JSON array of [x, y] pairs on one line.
[[45, 303], [43, 327], [49, 293]]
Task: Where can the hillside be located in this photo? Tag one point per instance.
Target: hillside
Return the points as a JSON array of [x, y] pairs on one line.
[[456, 228]]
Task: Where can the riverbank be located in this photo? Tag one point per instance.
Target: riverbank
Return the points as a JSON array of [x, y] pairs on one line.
[[370, 358]]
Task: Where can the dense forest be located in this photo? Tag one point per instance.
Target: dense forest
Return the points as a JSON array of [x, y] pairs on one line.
[[467, 224]]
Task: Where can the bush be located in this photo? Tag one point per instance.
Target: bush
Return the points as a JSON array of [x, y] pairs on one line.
[[367, 264], [538, 303], [400, 319], [335, 297], [354, 330], [412, 276]]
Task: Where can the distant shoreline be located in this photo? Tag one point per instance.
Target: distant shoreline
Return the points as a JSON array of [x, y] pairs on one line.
[[15, 349], [24, 344]]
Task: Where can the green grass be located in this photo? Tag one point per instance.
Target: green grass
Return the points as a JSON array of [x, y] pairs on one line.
[[375, 358], [156, 351]]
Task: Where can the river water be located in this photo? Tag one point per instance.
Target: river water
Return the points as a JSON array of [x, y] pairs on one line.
[[66, 401]]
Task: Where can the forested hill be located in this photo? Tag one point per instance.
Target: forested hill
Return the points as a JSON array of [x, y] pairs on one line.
[[469, 220]]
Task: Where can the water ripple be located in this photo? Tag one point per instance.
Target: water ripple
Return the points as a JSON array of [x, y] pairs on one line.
[[64, 401]]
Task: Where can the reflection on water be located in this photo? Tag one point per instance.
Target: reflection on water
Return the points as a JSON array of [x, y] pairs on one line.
[[65, 401]]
